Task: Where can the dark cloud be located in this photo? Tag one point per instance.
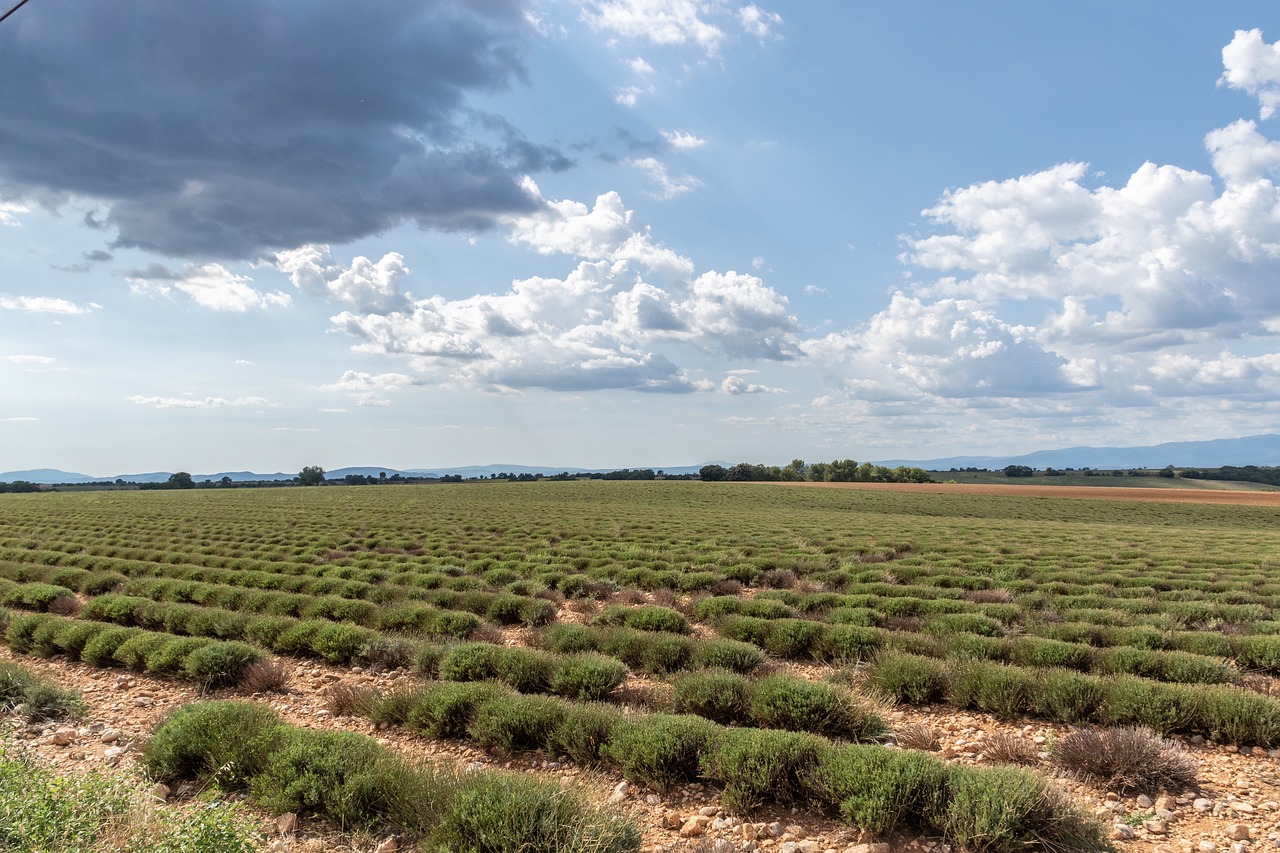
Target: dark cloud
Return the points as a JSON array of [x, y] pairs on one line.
[[233, 128], [98, 256]]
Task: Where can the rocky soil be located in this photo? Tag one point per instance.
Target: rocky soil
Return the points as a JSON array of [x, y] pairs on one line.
[[1236, 808]]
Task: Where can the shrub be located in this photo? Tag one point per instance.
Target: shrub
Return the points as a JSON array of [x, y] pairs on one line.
[[1163, 707], [1240, 716], [964, 623], [1003, 810], [1258, 652], [339, 775], [1040, 652], [718, 695], [296, 638], [73, 636], [536, 612], [728, 654], [757, 764], [992, 687], [569, 638], [848, 643], [21, 630], [661, 750], [224, 742], [917, 736], [339, 643], [1065, 696], [709, 610], [1005, 748], [394, 706], [469, 662], [876, 789], [527, 670], [513, 723], [100, 651], [221, 663], [43, 700], [266, 676], [1130, 759], [1186, 668], [451, 623], [908, 678], [266, 631], [585, 730], [44, 639], [36, 596], [792, 638], [133, 652], [663, 653], [170, 657], [587, 676], [445, 710], [864, 617], [500, 812], [505, 609], [783, 702]]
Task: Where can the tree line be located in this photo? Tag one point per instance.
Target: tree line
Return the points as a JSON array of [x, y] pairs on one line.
[[798, 471]]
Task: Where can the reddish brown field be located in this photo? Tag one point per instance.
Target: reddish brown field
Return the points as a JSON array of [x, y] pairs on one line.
[[1203, 496]]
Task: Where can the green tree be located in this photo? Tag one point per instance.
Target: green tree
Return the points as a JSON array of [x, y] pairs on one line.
[[181, 480], [312, 475]]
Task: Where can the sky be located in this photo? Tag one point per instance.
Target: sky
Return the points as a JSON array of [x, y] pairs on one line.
[[263, 234]]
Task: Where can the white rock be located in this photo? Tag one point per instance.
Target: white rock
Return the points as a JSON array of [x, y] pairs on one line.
[[619, 793]]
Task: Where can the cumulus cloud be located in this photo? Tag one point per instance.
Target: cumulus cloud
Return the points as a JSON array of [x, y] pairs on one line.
[[605, 230], [196, 402], [364, 284], [210, 286], [43, 305], [611, 323], [232, 129], [657, 21], [368, 388], [1251, 65]]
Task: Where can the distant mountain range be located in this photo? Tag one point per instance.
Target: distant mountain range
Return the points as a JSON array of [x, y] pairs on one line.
[[1251, 450], [54, 476]]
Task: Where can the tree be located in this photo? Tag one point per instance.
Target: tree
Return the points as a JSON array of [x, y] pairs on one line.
[[181, 480], [312, 475], [712, 473], [1018, 471]]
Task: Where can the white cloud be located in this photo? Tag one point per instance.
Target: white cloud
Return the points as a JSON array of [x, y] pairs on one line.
[[668, 186], [369, 388], [365, 285], [682, 141], [659, 21], [41, 360], [757, 21], [627, 96], [607, 230], [209, 285], [606, 324], [20, 420], [639, 66], [7, 214], [1251, 65], [1241, 155], [197, 403], [43, 305]]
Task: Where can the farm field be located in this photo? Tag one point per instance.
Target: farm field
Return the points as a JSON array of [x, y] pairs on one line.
[[739, 653]]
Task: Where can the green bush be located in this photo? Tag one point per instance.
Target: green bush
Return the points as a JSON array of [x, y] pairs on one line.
[[907, 678], [43, 700], [536, 612], [21, 631], [512, 723], [1041, 652], [100, 651], [445, 710], [170, 657], [1240, 716], [793, 638], [74, 635], [339, 643], [848, 643], [451, 623], [878, 790], [35, 596], [587, 676], [710, 610], [1164, 708], [757, 764], [1187, 668], [504, 609], [718, 695], [340, 775], [569, 638], [227, 743], [663, 653], [728, 654], [1128, 660], [1004, 810], [266, 631], [1257, 652], [783, 702], [506, 812], [221, 663], [134, 651], [863, 617], [661, 750], [469, 662], [992, 687], [964, 623], [585, 730], [1065, 696]]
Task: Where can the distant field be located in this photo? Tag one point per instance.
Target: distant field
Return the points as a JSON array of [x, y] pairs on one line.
[[1068, 606], [1109, 482]]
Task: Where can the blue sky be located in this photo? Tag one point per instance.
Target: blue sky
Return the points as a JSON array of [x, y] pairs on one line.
[[262, 234]]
